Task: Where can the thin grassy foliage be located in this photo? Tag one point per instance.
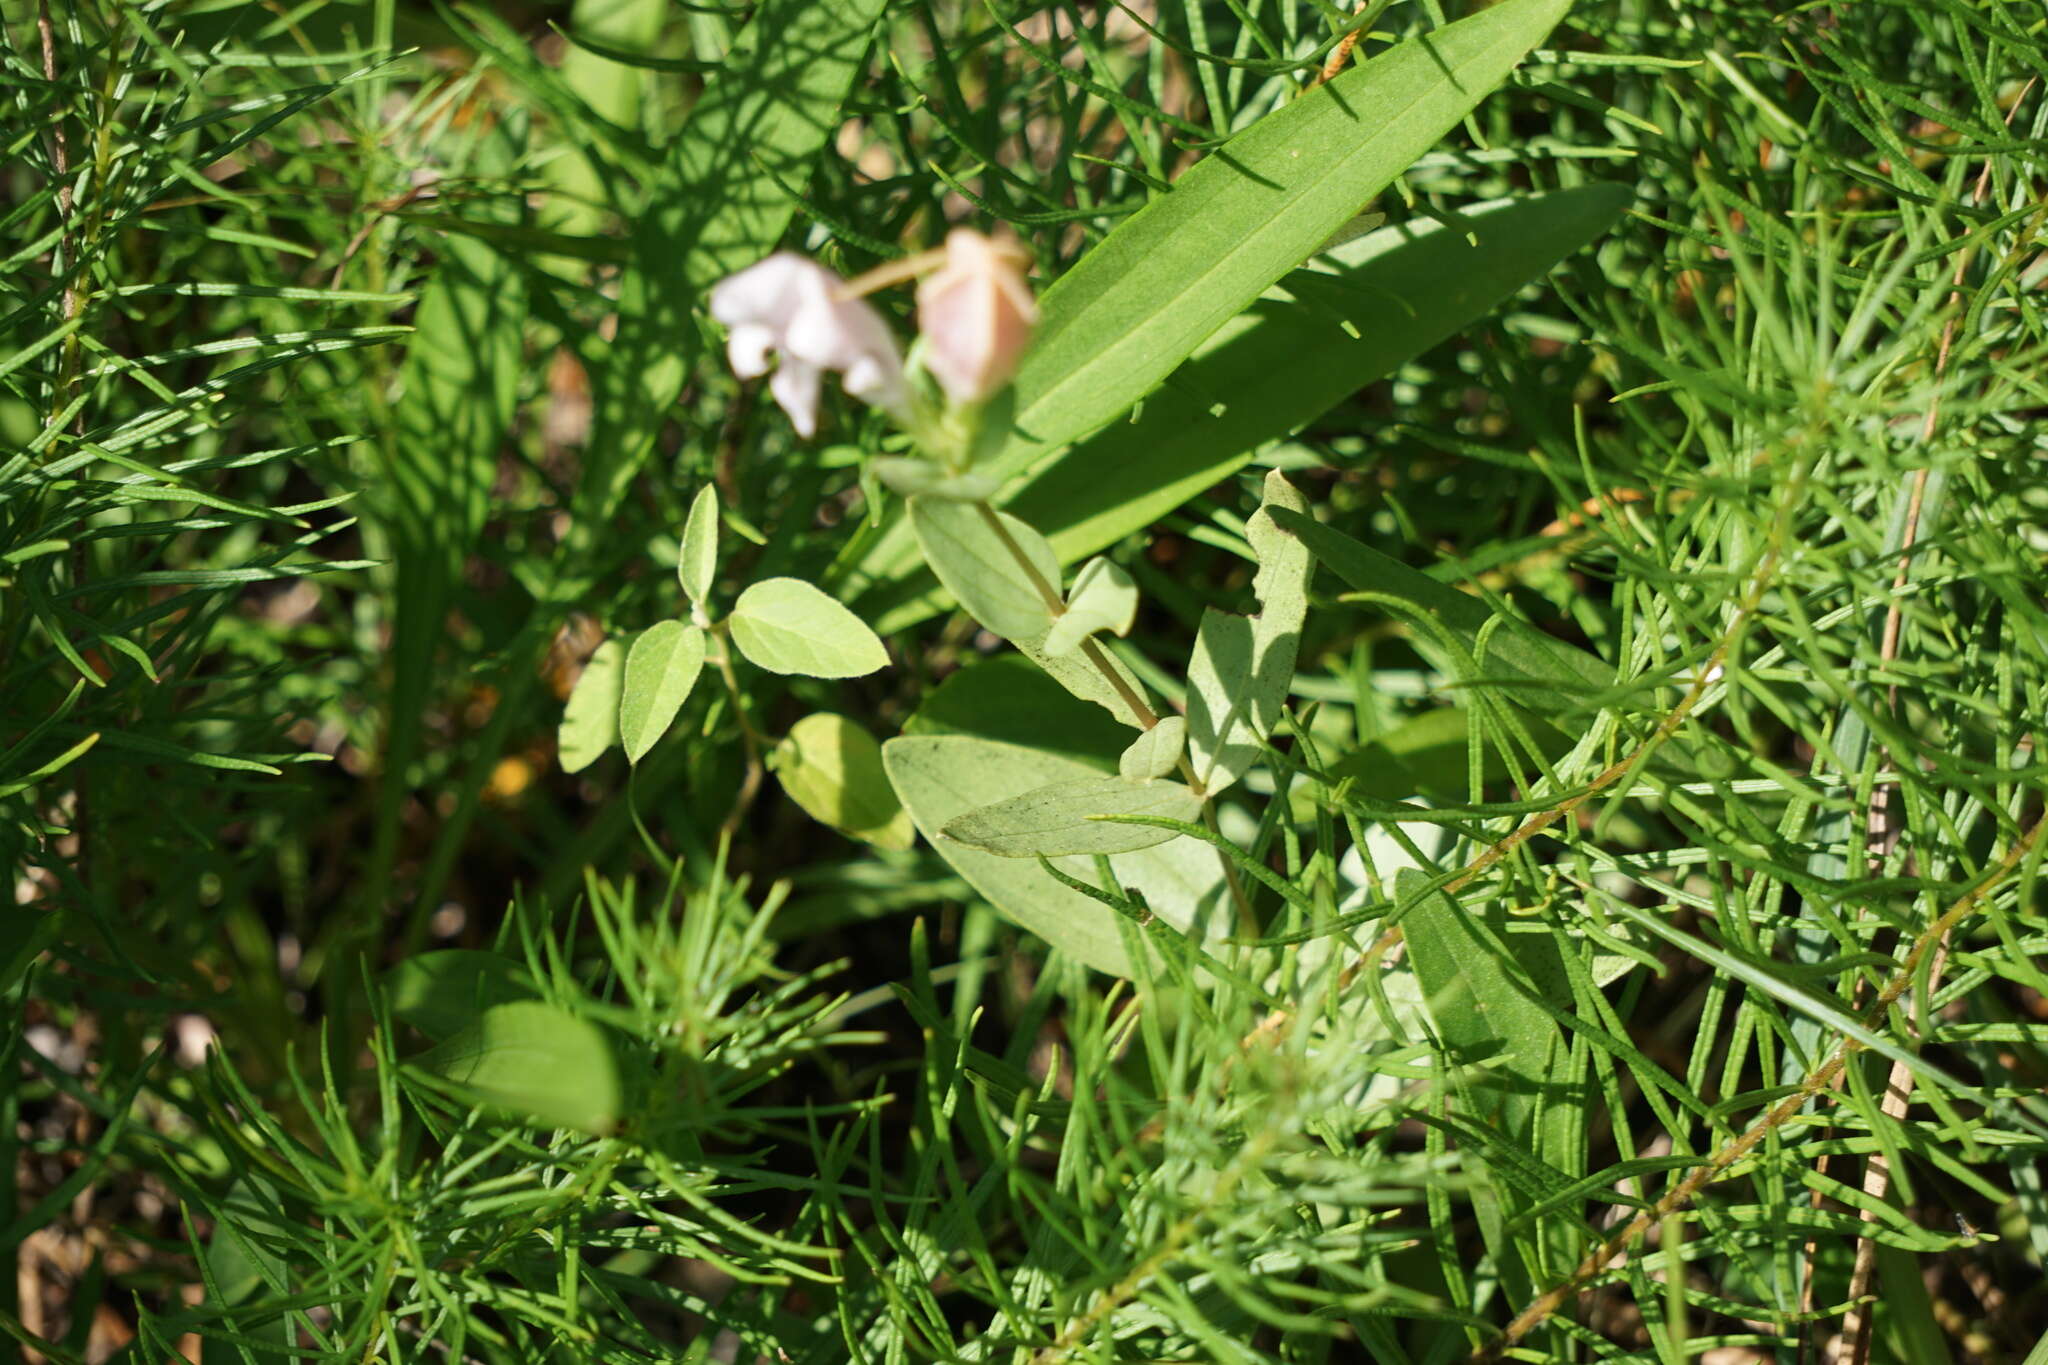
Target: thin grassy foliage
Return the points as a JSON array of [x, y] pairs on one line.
[[1636, 918]]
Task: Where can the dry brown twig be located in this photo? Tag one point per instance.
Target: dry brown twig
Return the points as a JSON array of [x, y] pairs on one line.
[[1857, 1326], [1818, 1082]]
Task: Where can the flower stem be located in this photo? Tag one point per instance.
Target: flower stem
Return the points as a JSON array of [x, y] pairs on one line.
[[1050, 595], [750, 783], [1141, 710]]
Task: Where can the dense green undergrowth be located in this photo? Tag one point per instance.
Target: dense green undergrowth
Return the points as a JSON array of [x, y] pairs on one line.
[[1616, 934]]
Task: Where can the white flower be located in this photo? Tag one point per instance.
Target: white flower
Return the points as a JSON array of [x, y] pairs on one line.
[[793, 305], [976, 314]]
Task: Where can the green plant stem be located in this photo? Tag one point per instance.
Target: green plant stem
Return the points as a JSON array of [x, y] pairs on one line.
[[750, 783], [1090, 650], [1098, 659]]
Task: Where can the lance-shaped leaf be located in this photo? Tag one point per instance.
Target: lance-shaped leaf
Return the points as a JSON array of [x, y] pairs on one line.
[[787, 626], [1169, 277], [697, 567], [1154, 753], [1136, 306], [1243, 665], [981, 565], [942, 777], [1064, 817], [660, 672], [1481, 983], [590, 722], [832, 767], [1103, 598]]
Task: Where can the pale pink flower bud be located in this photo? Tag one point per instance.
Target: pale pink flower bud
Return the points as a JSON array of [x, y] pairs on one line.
[[793, 305], [976, 314]]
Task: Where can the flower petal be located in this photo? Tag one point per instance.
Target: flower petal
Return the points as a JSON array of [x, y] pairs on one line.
[[748, 349], [767, 292], [795, 387], [976, 314]]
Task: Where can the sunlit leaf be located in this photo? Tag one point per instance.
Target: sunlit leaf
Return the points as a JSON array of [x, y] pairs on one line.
[[832, 767], [660, 672], [1103, 598], [590, 722], [1155, 752], [787, 626], [1000, 570], [697, 565], [1063, 818], [535, 1061], [941, 778], [1243, 666]]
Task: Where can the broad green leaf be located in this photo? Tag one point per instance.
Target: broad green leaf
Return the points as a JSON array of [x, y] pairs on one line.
[[1243, 666], [1346, 319], [442, 993], [1513, 1062], [590, 722], [1907, 1315], [787, 626], [243, 1260], [1103, 598], [1006, 697], [1171, 274], [1155, 752], [1062, 818], [1390, 295], [697, 565], [1002, 577], [458, 392], [611, 90], [832, 767], [941, 778], [660, 672], [1548, 675], [536, 1061]]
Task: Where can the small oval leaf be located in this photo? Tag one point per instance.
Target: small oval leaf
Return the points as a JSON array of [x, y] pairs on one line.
[[590, 722], [1103, 598], [660, 672], [832, 767], [787, 626], [1154, 753], [697, 566]]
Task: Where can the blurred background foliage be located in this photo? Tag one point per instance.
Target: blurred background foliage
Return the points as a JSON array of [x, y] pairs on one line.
[[352, 391]]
